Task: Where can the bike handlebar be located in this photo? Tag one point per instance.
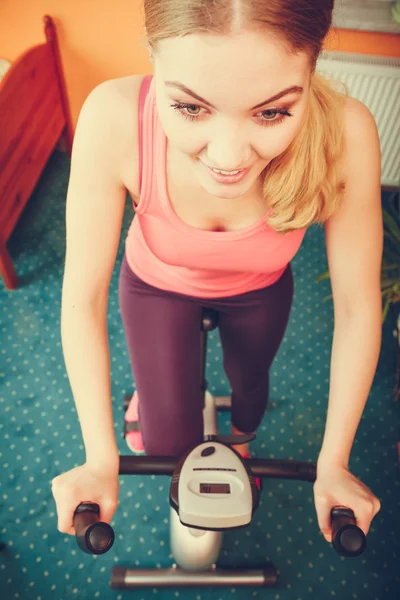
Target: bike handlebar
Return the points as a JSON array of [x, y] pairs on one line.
[[96, 537]]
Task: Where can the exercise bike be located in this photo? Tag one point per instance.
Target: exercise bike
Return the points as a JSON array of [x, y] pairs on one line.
[[212, 490]]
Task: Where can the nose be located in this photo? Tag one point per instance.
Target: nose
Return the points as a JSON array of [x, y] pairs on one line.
[[228, 149]]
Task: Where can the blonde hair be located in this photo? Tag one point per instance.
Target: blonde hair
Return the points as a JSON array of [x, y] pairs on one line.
[[302, 185]]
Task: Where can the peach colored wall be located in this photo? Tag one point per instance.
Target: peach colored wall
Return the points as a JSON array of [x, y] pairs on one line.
[[102, 39]]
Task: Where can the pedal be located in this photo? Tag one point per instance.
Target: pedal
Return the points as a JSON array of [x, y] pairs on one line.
[[127, 399], [129, 427]]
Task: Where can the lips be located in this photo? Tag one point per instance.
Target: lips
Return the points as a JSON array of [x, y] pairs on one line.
[[226, 172], [220, 178]]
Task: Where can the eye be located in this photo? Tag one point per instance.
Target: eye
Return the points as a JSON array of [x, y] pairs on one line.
[[182, 108], [269, 117], [270, 114], [192, 107]]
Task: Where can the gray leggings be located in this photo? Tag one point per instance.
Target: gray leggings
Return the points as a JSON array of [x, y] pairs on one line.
[[163, 336]]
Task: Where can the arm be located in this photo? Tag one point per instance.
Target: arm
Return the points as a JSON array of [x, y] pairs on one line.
[[354, 241], [95, 207]]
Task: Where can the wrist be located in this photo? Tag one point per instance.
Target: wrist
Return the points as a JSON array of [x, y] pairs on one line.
[[109, 463], [326, 462]]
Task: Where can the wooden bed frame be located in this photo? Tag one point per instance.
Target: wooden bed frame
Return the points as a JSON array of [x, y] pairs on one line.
[[34, 116]]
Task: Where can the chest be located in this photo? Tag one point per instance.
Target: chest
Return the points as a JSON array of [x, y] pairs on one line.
[[214, 214], [202, 210]]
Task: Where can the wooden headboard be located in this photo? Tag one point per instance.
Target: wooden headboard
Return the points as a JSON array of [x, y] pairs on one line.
[[34, 113]]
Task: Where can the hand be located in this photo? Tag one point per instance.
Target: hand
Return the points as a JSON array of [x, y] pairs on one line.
[[85, 483], [336, 486]]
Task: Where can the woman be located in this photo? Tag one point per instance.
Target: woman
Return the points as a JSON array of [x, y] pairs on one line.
[[243, 147]]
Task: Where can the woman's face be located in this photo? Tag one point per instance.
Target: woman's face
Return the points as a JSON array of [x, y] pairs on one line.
[[217, 100]]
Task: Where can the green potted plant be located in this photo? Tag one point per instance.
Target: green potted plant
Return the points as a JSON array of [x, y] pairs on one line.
[[390, 273]]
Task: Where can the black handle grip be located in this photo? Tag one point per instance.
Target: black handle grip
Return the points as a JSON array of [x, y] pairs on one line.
[[347, 539], [92, 536]]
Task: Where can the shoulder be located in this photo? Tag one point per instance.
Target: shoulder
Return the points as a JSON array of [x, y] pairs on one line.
[[361, 140], [115, 96], [111, 112], [112, 100], [358, 119]]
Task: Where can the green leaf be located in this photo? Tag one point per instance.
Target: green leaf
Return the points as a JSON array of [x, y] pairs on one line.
[[388, 293], [392, 225], [390, 282], [323, 276], [385, 310]]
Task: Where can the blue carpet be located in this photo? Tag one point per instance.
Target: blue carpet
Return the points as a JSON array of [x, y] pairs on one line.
[[40, 438]]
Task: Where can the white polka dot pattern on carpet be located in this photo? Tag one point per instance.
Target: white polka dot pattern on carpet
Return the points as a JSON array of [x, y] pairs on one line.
[[41, 438]]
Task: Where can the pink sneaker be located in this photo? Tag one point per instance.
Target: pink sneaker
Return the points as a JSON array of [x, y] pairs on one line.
[[133, 435]]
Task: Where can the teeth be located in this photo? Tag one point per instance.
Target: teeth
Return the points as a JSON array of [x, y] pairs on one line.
[[226, 172]]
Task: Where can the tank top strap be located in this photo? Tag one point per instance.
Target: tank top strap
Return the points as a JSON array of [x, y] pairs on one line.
[[144, 88]]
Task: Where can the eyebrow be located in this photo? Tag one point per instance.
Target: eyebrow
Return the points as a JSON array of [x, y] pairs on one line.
[[294, 89]]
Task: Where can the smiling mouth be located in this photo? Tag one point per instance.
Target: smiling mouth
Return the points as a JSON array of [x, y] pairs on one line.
[[222, 172], [226, 172], [227, 177]]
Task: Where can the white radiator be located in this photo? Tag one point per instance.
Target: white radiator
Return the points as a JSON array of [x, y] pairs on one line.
[[375, 81]]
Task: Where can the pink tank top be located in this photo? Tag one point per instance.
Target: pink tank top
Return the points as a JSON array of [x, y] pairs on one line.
[[166, 253]]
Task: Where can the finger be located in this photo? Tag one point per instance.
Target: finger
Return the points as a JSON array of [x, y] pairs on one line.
[[65, 520], [107, 510], [323, 509], [364, 517], [71, 531], [65, 524], [377, 505]]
